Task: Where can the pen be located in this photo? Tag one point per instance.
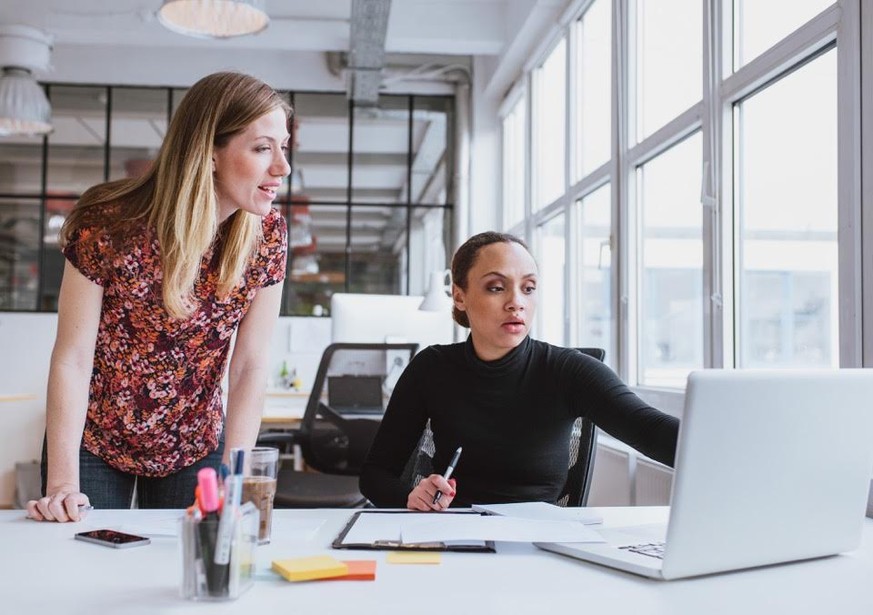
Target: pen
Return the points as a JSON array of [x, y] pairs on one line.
[[232, 496], [448, 473]]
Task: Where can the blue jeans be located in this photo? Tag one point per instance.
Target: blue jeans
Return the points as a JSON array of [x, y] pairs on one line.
[[107, 487]]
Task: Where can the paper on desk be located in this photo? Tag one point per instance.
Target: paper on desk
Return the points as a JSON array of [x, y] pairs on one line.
[[373, 527], [541, 511], [441, 527]]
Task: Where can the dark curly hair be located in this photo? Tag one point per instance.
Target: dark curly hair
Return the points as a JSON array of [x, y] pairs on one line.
[[465, 258]]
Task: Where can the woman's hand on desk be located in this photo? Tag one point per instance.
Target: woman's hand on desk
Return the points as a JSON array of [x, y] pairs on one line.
[[422, 497], [63, 504]]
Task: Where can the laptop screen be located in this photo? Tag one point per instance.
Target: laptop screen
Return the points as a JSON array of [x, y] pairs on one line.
[[355, 393]]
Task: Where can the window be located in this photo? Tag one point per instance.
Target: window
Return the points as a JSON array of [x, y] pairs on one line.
[[788, 252], [759, 25], [593, 88], [549, 105], [668, 62], [369, 203], [594, 318], [671, 266], [551, 292], [712, 215], [514, 152]]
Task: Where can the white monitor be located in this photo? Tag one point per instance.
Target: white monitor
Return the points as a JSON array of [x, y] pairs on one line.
[[387, 318]]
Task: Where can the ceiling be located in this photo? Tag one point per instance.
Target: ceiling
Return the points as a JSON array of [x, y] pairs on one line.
[[455, 27]]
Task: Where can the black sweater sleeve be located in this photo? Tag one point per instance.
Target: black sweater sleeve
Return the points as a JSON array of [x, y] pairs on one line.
[[398, 435], [598, 393]]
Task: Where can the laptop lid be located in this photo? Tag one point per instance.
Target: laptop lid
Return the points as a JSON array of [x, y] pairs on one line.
[[355, 393], [772, 466]]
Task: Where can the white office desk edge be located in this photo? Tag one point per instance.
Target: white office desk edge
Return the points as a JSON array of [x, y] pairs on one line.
[[44, 570]]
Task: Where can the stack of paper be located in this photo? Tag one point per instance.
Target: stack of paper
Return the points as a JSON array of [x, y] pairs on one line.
[[442, 528], [541, 511]]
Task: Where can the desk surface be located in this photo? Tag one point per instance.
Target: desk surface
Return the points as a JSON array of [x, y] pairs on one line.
[[44, 570]]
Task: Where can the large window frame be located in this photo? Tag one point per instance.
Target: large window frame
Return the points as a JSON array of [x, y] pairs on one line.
[[723, 86]]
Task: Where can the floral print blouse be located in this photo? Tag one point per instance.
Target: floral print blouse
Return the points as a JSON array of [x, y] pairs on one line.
[[155, 399]]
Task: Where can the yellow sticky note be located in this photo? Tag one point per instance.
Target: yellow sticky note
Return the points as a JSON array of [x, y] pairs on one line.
[[310, 568], [414, 557]]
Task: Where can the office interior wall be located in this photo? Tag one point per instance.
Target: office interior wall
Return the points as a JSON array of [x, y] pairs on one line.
[[25, 349]]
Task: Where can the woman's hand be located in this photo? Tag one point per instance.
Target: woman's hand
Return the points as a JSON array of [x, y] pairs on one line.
[[61, 505], [422, 497]]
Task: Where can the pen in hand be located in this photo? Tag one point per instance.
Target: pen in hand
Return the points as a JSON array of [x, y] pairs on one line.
[[448, 473]]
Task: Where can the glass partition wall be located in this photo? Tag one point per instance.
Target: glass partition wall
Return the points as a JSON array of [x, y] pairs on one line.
[[369, 202]]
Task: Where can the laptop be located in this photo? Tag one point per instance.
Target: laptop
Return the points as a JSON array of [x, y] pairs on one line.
[[355, 394], [771, 467]]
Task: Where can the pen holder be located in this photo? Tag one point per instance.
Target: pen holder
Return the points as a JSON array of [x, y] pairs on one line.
[[202, 577]]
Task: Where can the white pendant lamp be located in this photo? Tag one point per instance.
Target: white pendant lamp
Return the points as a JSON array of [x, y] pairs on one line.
[[214, 18], [437, 298], [24, 109]]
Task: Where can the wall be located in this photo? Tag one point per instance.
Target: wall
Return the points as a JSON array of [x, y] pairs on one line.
[[25, 350]]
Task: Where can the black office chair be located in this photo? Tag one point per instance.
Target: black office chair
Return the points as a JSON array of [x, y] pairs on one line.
[[580, 462], [343, 413]]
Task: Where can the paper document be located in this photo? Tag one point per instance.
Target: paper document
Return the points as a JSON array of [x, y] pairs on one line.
[[541, 511], [375, 527], [382, 530], [437, 527]]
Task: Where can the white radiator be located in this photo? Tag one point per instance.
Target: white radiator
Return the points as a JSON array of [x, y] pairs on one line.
[[624, 478]]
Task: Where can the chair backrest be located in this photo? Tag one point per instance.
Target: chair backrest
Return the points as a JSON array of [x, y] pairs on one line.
[[580, 462], [336, 440]]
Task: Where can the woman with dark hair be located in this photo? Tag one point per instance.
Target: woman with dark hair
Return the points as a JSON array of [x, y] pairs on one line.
[[510, 401], [161, 271]]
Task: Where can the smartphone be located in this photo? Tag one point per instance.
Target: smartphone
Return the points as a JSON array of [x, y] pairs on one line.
[[113, 538]]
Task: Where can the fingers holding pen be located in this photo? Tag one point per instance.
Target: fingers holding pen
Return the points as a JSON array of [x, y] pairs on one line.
[[425, 493]]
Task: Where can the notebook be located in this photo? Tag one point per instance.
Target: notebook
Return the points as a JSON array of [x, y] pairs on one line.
[[771, 467], [355, 394]]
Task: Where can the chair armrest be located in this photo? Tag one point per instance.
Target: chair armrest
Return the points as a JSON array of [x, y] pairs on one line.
[[282, 438]]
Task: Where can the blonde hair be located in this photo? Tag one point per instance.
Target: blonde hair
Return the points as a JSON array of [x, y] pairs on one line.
[[176, 197]]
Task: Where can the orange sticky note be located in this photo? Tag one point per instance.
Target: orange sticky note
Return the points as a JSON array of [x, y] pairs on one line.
[[359, 570]]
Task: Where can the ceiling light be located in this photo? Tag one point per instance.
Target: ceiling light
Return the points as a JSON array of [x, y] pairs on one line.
[[24, 109], [214, 18]]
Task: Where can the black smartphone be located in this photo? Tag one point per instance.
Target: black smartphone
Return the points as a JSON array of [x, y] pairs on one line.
[[113, 538]]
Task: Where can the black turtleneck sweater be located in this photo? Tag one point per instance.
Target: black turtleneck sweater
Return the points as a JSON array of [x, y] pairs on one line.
[[513, 417]]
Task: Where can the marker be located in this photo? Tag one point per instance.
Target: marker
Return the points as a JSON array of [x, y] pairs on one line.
[[232, 495], [448, 473], [216, 574]]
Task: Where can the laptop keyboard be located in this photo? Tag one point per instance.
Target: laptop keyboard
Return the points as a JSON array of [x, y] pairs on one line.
[[652, 549]]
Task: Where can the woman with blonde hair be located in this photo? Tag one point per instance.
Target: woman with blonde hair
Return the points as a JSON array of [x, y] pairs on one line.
[[161, 271]]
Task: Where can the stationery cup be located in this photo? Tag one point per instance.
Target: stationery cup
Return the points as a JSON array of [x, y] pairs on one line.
[[259, 485], [202, 577]]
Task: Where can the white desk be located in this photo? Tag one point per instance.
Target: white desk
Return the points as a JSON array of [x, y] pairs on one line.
[[44, 570]]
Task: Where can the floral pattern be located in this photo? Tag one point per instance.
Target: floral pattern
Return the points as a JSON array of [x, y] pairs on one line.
[[155, 400]]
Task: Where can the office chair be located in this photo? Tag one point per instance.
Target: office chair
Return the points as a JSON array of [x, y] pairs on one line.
[[345, 407], [580, 462]]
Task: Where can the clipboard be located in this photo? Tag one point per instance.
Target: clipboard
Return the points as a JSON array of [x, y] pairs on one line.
[[340, 542]]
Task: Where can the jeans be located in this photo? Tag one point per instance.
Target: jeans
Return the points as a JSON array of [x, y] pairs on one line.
[[107, 487]]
